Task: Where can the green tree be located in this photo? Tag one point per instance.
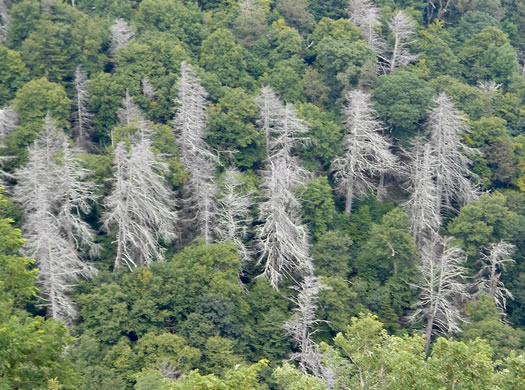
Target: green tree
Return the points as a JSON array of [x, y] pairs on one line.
[[13, 74], [484, 221], [222, 56], [231, 127], [488, 55], [402, 100], [318, 206]]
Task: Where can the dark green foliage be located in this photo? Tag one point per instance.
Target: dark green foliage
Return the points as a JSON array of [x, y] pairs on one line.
[[402, 100], [231, 127], [318, 206]]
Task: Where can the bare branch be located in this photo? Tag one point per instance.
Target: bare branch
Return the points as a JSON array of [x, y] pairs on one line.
[[233, 216], [402, 29], [8, 121], [121, 34], [302, 325], [490, 274], [140, 209], [82, 128], [442, 288], [189, 127], [366, 152], [5, 20], [365, 15]]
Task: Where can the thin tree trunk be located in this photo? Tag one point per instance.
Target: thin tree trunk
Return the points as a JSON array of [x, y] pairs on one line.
[[349, 197]]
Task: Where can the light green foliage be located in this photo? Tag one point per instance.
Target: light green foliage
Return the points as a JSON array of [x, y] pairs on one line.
[[488, 56], [290, 378], [222, 56], [13, 74], [472, 23], [482, 222], [231, 127], [324, 135], [181, 19], [402, 101], [318, 206], [485, 322], [39, 97], [62, 41], [31, 348]]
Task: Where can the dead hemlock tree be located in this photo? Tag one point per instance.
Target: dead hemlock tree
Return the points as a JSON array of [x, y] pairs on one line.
[[233, 216], [282, 239], [140, 209], [199, 192], [425, 215], [46, 190], [82, 128], [402, 29], [147, 88], [284, 134], [121, 34], [302, 325], [8, 121], [490, 274], [451, 167], [130, 114], [366, 151], [365, 15], [442, 288], [5, 20], [439, 6]]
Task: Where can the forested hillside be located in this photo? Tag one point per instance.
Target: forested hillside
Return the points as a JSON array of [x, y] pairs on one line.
[[262, 194]]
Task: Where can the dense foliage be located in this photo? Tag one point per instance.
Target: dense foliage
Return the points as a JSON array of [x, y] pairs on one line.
[[262, 194]]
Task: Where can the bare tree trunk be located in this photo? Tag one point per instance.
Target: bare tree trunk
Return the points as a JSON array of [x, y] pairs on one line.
[[349, 197]]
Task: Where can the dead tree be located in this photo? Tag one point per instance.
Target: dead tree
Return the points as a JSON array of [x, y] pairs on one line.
[[121, 34], [490, 274], [365, 15], [282, 239], [140, 208], [5, 20], [130, 114], [442, 288], [189, 126], [446, 128], [437, 7], [366, 151], [8, 121], [44, 190], [82, 128], [425, 216], [301, 326], [147, 88], [233, 216], [402, 29]]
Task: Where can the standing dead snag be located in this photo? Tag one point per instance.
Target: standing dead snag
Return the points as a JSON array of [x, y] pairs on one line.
[[140, 209], [82, 127], [366, 152], [8, 121], [402, 29], [121, 34], [233, 214], [282, 239], [442, 288], [365, 15], [490, 274], [301, 326], [53, 195], [451, 167], [189, 127], [425, 216]]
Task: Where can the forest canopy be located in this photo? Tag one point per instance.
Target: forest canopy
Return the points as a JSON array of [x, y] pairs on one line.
[[262, 194]]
